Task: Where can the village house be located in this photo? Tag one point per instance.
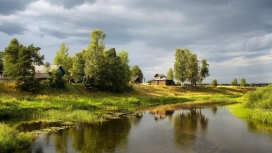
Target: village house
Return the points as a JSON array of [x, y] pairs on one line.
[[41, 72], [161, 79], [135, 80]]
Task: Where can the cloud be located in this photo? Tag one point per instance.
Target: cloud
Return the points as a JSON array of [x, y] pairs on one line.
[[228, 33], [11, 6]]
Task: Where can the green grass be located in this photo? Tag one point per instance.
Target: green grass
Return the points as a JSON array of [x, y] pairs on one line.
[[11, 139], [251, 113]]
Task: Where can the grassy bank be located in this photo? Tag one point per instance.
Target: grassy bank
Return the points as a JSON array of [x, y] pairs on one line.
[[256, 105], [76, 97]]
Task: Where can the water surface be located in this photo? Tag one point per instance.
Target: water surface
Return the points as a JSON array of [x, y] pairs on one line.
[[200, 130]]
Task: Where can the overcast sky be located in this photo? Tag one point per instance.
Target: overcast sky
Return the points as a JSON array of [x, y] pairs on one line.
[[234, 36]]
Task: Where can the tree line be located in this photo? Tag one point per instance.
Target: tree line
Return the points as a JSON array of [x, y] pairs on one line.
[[94, 66]]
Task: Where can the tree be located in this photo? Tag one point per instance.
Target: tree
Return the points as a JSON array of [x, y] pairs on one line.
[[204, 71], [186, 67], [214, 83], [136, 71], [234, 82], [18, 65], [62, 58], [123, 55], [1, 62], [94, 56], [170, 74], [77, 70], [243, 82], [56, 81]]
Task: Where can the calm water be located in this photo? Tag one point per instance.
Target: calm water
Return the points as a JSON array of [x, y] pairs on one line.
[[204, 130]]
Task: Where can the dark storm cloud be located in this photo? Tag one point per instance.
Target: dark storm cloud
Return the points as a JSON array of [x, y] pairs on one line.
[[11, 28], [69, 3], [11, 6]]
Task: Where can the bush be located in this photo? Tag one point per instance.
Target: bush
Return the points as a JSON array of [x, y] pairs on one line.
[[177, 84], [11, 139], [214, 83]]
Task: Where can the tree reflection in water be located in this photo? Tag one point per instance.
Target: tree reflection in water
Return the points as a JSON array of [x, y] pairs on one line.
[[186, 124]]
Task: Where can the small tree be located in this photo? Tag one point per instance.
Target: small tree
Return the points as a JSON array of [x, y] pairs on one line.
[[234, 82], [214, 83], [1, 62], [243, 82], [170, 74], [56, 81], [136, 71]]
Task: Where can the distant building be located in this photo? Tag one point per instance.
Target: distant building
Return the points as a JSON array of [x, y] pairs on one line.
[[161, 79], [135, 79], [41, 72]]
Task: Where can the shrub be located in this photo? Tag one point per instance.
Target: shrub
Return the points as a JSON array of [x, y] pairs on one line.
[[214, 83], [11, 139], [178, 84]]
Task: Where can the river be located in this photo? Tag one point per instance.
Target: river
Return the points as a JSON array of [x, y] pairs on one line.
[[191, 131]]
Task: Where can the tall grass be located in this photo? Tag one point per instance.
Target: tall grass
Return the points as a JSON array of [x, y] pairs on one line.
[[261, 98], [11, 139]]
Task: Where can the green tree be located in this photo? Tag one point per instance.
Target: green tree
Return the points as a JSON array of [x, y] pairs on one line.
[[214, 83], [243, 82], [77, 70], [94, 56], [186, 67], [18, 65], [56, 80], [1, 62], [204, 71], [234, 82], [123, 55], [170, 74], [136, 71], [62, 58]]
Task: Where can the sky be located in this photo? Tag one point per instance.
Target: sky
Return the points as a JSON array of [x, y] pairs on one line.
[[234, 36]]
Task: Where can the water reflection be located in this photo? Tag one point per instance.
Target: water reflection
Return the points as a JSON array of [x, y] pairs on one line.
[[86, 138], [186, 124]]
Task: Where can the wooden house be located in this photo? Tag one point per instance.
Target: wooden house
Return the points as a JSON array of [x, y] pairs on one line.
[[41, 72], [161, 79], [135, 80]]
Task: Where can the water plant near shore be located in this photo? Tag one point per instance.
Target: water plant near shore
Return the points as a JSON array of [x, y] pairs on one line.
[[11, 139]]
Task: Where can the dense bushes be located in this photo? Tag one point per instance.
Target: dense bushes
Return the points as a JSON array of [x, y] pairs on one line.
[[11, 139], [261, 98]]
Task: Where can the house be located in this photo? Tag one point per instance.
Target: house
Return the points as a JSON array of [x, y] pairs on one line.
[[41, 72], [135, 79], [161, 79]]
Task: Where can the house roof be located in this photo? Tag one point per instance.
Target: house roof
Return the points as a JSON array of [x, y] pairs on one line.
[[160, 77], [134, 78], [42, 69]]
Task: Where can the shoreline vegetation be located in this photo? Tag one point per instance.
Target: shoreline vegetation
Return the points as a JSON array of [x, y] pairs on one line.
[[256, 105], [77, 104]]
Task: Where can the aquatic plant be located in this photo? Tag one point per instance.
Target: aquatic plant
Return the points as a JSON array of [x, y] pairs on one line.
[[11, 139]]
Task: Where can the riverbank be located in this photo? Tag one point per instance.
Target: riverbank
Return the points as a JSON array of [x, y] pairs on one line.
[[76, 97], [77, 104], [256, 105]]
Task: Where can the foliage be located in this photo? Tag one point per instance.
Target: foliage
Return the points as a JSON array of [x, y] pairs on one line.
[[261, 98], [123, 55], [77, 70], [62, 58], [204, 71], [94, 56], [234, 82], [170, 74], [18, 65], [11, 139], [56, 81], [186, 67], [214, 83], [178, 84], [243, 82], [136, 71], [1, 62]]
